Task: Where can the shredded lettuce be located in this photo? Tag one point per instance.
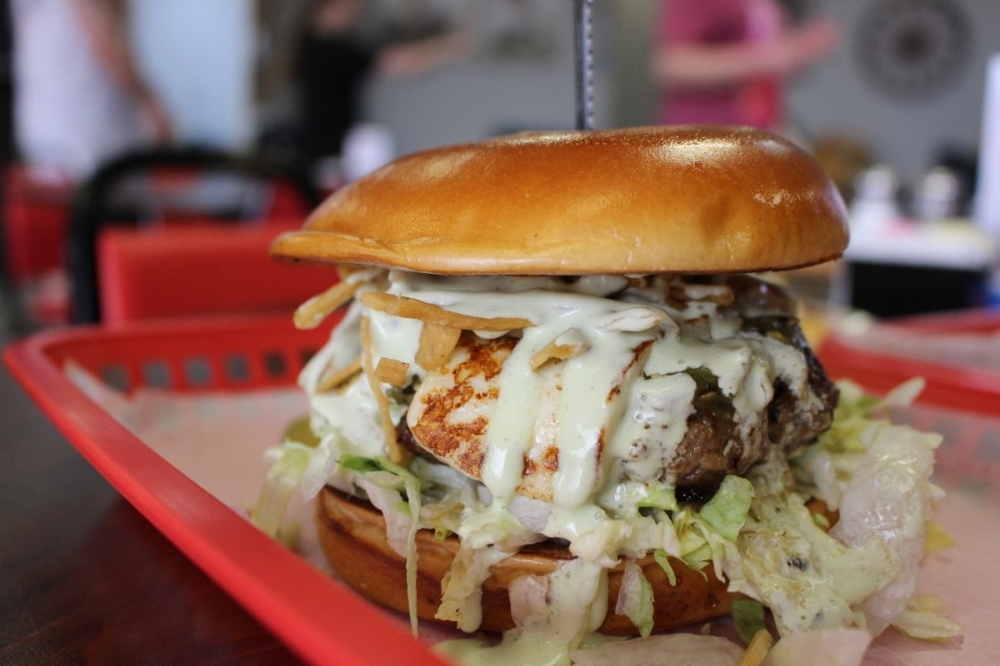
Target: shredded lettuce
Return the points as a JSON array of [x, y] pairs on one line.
[[748, 615], [635, 598], [707, 535], [661, 558], [756, 532], [862, 573], [697, 559], [291, 463], [680, 649], [494, 525], [395, 491], [832, 647], [360, 464], [282, 480], [824, 468], [412, 486], [891, 499], [925, 617], [663, 498], [808, 579], [461, 588], [728, 509]]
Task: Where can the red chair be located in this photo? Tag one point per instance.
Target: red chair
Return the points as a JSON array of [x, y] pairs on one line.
[[35, 227], [199, 270], [35, 220], [194, 239]]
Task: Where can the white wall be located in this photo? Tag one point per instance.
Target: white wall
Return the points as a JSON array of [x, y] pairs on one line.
[[636, 98], [198, 55], [907, 135], [494, 93]]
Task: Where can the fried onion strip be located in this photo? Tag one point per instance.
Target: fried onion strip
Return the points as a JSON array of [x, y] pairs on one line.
[[397, 453], [679, 294], [411, 308], [392, 371], [757, 650], [312, 313], [436, 345], [331, 379], [556, 351]]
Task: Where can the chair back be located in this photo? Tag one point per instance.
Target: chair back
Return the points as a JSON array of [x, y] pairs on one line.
[[186, 187], [199, 270]]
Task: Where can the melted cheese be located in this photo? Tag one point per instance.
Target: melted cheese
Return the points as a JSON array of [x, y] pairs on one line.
[[621, 404]]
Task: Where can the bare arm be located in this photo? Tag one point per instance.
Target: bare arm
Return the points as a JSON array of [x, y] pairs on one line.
[[697, 65], [412, 58], [105, 23]]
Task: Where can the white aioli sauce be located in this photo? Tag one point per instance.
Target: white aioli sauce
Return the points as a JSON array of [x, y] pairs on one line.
[[618, 411], [568, 604], [606, 397]]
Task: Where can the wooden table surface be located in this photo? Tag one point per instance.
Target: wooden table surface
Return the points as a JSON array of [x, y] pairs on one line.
[[86, 579]]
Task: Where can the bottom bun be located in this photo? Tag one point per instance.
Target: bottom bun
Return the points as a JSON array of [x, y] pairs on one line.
[[352, 534]]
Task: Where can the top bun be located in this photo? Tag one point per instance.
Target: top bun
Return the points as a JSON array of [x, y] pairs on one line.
[[640, 200]]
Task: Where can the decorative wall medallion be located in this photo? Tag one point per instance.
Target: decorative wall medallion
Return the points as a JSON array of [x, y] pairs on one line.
[[910, 49]]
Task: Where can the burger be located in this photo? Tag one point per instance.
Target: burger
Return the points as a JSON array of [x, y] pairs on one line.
[[560, 397]]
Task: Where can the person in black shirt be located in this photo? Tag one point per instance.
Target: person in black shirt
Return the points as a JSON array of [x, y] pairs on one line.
[[334, 65]]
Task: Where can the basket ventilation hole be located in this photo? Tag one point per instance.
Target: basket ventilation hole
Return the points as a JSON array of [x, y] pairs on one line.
[[115, 376], [274, 364], [156, 374], [305, 355], [198, 372], [237, 368], [987, 449]]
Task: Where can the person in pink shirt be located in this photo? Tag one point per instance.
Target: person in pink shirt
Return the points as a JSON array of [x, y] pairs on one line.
[[725, 61]]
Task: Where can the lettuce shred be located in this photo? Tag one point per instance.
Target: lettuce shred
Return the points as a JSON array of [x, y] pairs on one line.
[[635, 598], [282, 480], [748, 616], [925, 617]]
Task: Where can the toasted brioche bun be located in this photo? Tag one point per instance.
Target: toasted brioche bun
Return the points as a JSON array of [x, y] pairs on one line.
[[352, 534], [638, 200]]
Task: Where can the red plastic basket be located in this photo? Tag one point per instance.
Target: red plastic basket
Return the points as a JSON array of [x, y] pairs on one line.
[[317, 617], [956, 384]]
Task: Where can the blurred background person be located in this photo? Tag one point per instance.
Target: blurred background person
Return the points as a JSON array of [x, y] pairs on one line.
[[725, 61], [79, 97], [334, 62]]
